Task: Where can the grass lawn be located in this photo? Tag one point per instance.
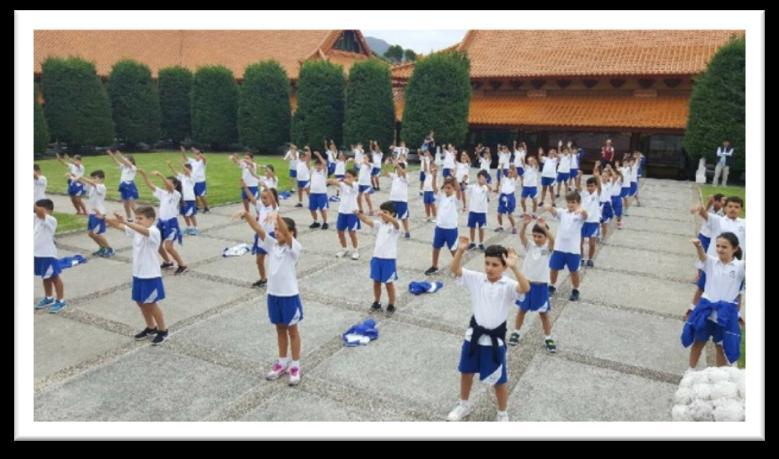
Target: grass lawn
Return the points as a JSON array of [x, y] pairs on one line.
[[223, 177], [69, 222], [706, 191]]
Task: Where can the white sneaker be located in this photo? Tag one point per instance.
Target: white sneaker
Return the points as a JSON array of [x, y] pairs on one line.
[[277, 370], [502, 417], [355, 255], [294, 376], [341, 253], [460, 411]]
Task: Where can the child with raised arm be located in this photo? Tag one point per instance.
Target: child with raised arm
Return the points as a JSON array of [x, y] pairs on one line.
[[96, 202], [168, 223], [188, 208], [317, 198], [45, 257], [267, 207], [198, 164], [478, 205], [428, 195], [445, 232], [399, 193], [385, 254], [127, 188], [347, 221], [567, 249], [75, 188]]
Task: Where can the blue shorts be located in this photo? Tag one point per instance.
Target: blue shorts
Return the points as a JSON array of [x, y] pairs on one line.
[[95, 224], [559, 260], [616, 204], [375, 171], [129, 191], [477, 219], [590, 229], [705, 241], [421, 176], [47, 267], [701, 282], [318, 201], [547, 181], [253, 189], [573, 173], [401, 210], [75, 188], [507, 203], [520, 171], [428, 197], [606, 212], [364, 188], [711, 330], [169, 230], [624, 192], [529, 192], [200, 189], [447, 172], [285, 310], [330, 168], [293, 173], [537, 299], [481, 362], [489, 177], [563, 176], [256, 247], [633, 188], [383, 270], [188, 209], [443, 236], [147, 291], [347, 222], [302, 184]]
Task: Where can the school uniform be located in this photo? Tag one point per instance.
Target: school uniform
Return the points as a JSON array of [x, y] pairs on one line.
[[347, 220], [199, 175], [449, 163], [39, 188], [507, 202], [364, 179], [385, 252], [484, 165], [44, 250], [75, 188], [96, 204], [564, 168], [591, 204], [716, 225], [530, 183], [303, 175], [478, 197], [147, 276], [567, 246], [549, 171], [340, 169], [606, 210], [293, 163], [376, 158], [188, 206], [428, 195], [399, 195], [168, 222], [616, 197], [269, 226], [127, 188], [317, 197], [284, 305], [535, 267], [704, 235], [445, 232], [519, 162], [250, 180]]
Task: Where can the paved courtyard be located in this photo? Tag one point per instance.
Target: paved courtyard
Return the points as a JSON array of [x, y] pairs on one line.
[[619, 357]]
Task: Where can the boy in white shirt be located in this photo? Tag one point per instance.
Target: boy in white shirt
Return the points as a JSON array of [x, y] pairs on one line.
[[536, 268], [127, 188], [461, 174], [45, 257], [449, 161], [347, 221], [548, 174], [530, 184], [376, 162], [168, 222], [75, 188], [330, 151], [198, 164], [147, 289], [292, 157], [507, 202], [248, 175], [188, 201], [567, 249], [96, 203], [364, 186], [563, 170], [484, 350], [40, 183], [590, 203], [477, 209], [428, 195], [385, 254], [424, 165], [399, 194], [445, 232], [303, 174], [317, 197]]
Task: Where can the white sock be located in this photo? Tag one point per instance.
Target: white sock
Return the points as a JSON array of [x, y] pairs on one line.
[[283, 361], [464, 402], [548, 337], [295, 364], [516, 330], [504, 412]]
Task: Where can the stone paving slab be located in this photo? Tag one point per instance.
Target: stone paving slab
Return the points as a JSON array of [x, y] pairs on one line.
[[669, 298], [97, 274]]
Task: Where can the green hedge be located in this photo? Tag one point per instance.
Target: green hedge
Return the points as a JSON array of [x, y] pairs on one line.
[[175, 85], [264, 113], [370, 110], [77, 107], [214, 107], [135, 103], [41, 139], [320, 103]]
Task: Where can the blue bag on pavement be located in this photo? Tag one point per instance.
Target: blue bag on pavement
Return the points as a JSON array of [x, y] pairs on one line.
[[418, 288], [68, 262], [362, 333]]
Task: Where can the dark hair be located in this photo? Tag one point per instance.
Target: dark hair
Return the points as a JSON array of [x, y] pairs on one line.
[[718, 196], [188, 166], [733, 240], [36, 167], [450, 181], [146, 211], [735, 199], [483, 173], [98, 173], [541, 229], [270, 166], [592, 181], [291, 226], [351, 172], [317, 161], [401, 165], [131, 159], [388, 206], [250, 154], [177, 187], [497, 251], [78, 157], [573, 196], [47, 204]]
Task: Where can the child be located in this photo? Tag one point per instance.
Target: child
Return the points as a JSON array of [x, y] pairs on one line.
[[424, 167], [330, 150], [591, 204], [285, 309], [267, 207], [347, 221], [519, 159], [198, 164], [96, 223], [438, 158], [127, 188], [461, 175], [40, 183], [340, 166], [616, 193], [317, 198], [364, 185], [188, 202], [446, 220], [399, 194], [574, 175], [715, 205], [507, 202], [270, 180], [563, 170], [484, 349], [634, 180], [359, 154], [428, 195], [477, 211], [449, 161], [548, 173], [627, 173], [148, 289], [292, 157], [385, 253], [485, 161], [530, 184], [536, 268], [303, 175], [606, 211], [75, 188], [376, 158], [168, 222], [248, 175], [717, 313], [567, 249], [504, 158], [45, 257]]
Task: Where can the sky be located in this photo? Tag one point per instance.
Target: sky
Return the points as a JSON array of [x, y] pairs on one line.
[[421, 41]]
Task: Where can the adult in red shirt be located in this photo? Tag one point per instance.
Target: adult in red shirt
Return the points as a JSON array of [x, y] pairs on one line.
[[607, 154]]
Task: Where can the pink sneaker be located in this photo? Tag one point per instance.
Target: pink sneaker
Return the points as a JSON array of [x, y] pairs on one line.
[[276, 370], [294, 376]]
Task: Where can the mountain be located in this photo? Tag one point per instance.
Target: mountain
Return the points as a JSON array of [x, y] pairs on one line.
[[377, 45]]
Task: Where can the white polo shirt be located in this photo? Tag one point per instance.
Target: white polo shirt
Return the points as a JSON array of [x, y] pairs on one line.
[[127, 173], [591, 203], [386, 245], [530, 177], [565, 164], [449, 160], [484, 164], [446, 218], [721, 224], [348, 202], [490, 301], [508, 185], [340, 167], [723, 280], [302, 172], [187, 187], [478, 196], [461, 172], [504, 158], [169, 203], [569, 231], [605, 191], [40, 187], [246, 174], [377, 157], [263, 212], [96, 198], [146, 265], [550, 167], [78, 171], [282, 260], [319, 181], [427, 185], [198, 169], [399, 188], [535, 267], [43, 230], [519, 158]]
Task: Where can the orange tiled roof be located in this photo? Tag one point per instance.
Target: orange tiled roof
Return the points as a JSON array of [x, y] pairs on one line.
[[537, 53], [598, 111], [194, 48]]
